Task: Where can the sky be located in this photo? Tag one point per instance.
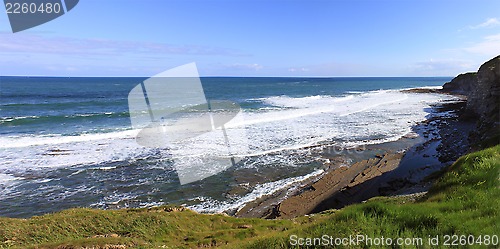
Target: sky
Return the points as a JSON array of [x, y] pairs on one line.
[[320, 38]]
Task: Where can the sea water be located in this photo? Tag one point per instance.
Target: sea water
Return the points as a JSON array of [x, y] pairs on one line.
[[68, 142]]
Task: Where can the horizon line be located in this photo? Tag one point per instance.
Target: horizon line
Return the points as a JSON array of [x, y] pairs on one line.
[[211, 76]]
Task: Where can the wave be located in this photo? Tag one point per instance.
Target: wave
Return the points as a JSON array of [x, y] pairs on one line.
[[44, 103], [6, 179], [320, 104], [55, 139], [372, 117], [303, 102], [350, 120], [208, 205], [24, 153], [424, 87], [23, 120]]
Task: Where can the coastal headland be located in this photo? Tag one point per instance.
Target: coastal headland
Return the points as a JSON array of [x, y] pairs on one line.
[[439, 180]]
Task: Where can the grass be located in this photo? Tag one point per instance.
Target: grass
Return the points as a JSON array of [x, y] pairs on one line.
[[463, 201], [136, 228]]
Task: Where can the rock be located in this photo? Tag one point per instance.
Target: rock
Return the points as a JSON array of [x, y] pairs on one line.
[[462, 84], [174, 209], [245, 226], [482, 90], [339, 187], [420, 90], [111, 235], [484, 98], [411, 135]]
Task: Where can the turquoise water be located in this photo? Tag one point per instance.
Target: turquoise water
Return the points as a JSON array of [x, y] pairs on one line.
[[67, 142]]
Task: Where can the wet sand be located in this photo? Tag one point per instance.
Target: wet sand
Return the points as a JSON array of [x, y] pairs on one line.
[[393, 168]]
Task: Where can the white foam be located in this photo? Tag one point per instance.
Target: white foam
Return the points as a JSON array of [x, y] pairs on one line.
[[354, 119], [208, 205], [6, 179], [10, 119], [107, 168], [34, 152], [304, 102], [424, 87], [373, 117], [115, 199], [367, 118], [27, 141]]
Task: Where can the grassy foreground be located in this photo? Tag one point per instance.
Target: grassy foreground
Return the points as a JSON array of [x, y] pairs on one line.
[[463, 201]]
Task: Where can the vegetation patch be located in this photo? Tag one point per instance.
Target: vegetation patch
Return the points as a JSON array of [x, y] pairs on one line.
[[463, 201]]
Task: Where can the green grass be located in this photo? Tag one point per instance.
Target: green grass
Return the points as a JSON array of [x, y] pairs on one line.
[[464, 200], [136, 228]]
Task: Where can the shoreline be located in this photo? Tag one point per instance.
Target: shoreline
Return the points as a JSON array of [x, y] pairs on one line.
[[402, 167], [439, 180], [350, 171]]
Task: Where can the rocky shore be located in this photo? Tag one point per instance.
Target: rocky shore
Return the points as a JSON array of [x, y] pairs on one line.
[[482, 91], [404, 167], [393, 168]]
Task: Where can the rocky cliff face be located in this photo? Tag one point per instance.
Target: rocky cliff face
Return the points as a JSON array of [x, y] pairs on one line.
[[483, 97], [462, 84]]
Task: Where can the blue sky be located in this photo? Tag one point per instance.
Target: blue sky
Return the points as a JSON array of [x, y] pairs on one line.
[[258, 38]]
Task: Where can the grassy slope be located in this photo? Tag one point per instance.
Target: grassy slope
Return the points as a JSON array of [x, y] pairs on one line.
[[138, 228], [464, 200]]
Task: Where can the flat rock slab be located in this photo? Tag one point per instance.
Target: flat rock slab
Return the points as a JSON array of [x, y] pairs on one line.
[[342, 185]]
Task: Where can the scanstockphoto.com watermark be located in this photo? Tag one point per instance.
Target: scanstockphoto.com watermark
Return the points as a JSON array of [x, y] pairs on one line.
[[171, 111], [349, 150], [26, 14], [365, 240], [357, 240]]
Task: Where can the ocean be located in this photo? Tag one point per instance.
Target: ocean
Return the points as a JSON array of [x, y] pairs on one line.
[[69, 142]]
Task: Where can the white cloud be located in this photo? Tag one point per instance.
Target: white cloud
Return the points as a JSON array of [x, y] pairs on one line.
[[489, 23], [253, 66], [441, 67], [38, 44], [490, 45], [340, 69], [301, 69]]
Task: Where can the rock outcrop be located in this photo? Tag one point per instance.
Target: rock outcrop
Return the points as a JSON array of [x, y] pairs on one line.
[[482, 90], [484, 97], [462, 84]]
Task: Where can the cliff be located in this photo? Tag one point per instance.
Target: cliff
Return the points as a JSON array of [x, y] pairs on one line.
[[462, 84], [482, 90]]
